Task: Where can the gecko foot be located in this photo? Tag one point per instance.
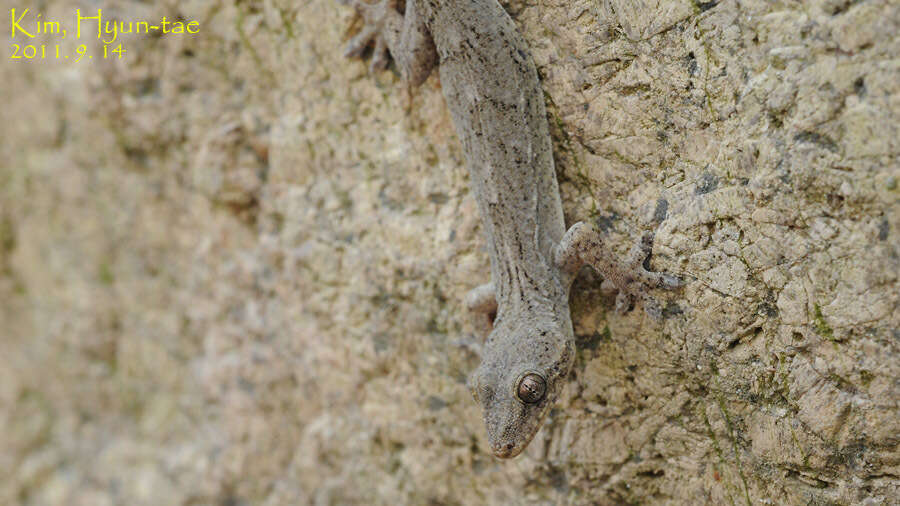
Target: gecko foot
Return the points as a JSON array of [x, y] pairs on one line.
[[377, 17], [583, 244], [638, 263]]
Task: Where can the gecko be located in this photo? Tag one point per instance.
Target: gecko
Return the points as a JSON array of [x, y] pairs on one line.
[[491, 87]]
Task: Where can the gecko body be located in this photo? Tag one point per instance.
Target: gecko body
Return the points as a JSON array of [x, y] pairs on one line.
[[492, 90]]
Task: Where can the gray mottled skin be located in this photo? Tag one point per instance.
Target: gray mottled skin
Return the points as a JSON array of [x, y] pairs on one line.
[[492, 90]]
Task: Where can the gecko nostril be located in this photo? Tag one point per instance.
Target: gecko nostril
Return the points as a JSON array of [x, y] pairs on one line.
[[502, 450]]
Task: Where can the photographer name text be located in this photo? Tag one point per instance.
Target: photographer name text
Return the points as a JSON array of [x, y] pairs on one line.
[[26, 25]]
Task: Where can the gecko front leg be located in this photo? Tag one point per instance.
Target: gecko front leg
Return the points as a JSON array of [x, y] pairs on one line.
[[405, 37], [481, 301], [583, 244]]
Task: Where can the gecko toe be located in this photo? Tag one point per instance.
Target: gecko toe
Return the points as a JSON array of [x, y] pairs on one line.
[[659, 279], [373, 17], [624, 302], [607, 287], [670, 282], [640, 251], [380, 56], [646, 242], [652, 307], [360, 42]]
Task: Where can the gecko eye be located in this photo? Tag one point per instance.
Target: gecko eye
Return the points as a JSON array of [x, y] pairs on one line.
[[531, 388]]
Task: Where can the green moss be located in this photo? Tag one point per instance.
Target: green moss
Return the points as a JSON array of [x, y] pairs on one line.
[[606, 334], [718, 449], [580, 177], [865, 377], [250, 46], [821, 327], [287, 23], [796, 442], [7, 236], [105, 274], [734, 446]]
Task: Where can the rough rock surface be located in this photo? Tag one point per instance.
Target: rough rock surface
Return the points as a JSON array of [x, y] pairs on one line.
[[232, 265]]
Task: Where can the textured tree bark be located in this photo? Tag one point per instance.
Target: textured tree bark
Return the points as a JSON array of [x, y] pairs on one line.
[[233, 265]]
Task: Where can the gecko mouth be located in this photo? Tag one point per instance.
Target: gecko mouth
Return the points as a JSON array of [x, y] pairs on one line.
[[506, 450], [511, 445]]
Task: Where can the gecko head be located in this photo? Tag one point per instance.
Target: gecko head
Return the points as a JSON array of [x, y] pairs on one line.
[[521, 374]]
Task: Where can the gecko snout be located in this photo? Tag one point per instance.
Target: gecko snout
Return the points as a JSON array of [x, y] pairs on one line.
[[503, 450]]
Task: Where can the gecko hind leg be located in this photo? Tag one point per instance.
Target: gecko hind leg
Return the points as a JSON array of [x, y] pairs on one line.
[[381, 22], [583, 244], [401, 36]]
